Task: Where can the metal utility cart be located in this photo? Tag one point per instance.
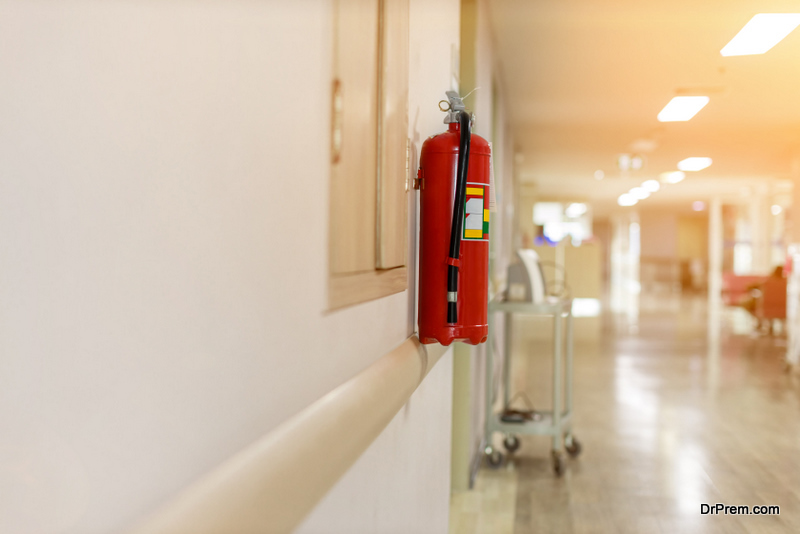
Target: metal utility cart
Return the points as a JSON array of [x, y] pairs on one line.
[[556, 423]]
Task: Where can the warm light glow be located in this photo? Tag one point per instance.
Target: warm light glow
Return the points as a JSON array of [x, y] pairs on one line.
[[639, 193], [698, 205], [547, 212], [672, 177], [586, 307], [682, 108], [776, 209], [626, 199], [644, 145], [575, 210], [599, 175], [761, 33], [651, 186], [694, 164]]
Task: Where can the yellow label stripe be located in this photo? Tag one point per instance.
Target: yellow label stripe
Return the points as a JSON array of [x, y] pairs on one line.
[[486, 215], [477, 191], [473, 233]]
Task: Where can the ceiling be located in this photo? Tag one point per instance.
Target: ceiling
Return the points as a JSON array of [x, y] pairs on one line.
[[584, 81]]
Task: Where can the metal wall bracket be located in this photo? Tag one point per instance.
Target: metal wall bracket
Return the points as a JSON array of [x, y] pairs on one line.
[[419, 181]]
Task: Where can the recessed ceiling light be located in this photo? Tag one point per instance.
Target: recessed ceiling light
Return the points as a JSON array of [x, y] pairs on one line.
[[651, 185], [761, 33], [776, 209], [626, 199], [682, 108], [671, 177], [694, 164], [644, 145], [639, 193]]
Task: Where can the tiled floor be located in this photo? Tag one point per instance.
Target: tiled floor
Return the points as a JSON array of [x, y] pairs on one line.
[[666, 425]]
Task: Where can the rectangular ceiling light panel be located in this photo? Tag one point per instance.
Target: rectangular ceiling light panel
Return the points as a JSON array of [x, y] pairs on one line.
[[672, 177], [694, 164], [761, 33], [682, 108]]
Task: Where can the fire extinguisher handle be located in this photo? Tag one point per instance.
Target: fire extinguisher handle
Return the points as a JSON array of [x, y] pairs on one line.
[[456, 106]]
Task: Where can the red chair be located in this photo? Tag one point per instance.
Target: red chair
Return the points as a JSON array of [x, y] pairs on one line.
[[771, 303], [735, 288]]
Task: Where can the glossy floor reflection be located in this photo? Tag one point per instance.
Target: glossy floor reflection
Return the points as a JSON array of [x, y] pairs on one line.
[[666, 426]]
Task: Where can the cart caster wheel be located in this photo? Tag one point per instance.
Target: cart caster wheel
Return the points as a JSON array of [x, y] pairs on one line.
[[511, 443], [572, 445], [494, 458], [559, 466]]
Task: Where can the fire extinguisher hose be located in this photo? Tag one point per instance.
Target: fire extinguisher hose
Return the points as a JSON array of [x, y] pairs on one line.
[[458, 216]]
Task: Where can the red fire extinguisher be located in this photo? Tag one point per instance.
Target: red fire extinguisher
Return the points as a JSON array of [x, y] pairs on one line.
[[453, 180]]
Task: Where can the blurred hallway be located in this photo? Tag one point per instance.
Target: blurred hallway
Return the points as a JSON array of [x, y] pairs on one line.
[[257, 256], [664, 429]]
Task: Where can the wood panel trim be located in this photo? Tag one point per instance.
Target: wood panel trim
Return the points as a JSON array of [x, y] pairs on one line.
[[353, 180], [393, 172], [272, 485], [348, 289]]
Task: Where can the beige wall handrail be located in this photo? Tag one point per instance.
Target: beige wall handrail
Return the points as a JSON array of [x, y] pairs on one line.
[[273, 484]]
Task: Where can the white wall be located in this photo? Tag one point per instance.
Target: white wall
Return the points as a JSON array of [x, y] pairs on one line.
[[396, 486], [163, 213]]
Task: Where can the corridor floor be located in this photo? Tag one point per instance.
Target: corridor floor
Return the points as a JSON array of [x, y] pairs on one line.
[[667, 423]]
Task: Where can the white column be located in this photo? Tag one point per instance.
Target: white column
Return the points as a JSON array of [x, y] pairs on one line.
[[633, 285], [793, 282], [761, 230], [715, 242], [619, 246], [625, 287]]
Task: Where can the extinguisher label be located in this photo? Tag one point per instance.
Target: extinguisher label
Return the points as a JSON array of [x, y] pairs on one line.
[[476, 213]]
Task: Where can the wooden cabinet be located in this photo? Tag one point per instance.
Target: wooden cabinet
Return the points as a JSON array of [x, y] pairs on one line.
[[369, 151]]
